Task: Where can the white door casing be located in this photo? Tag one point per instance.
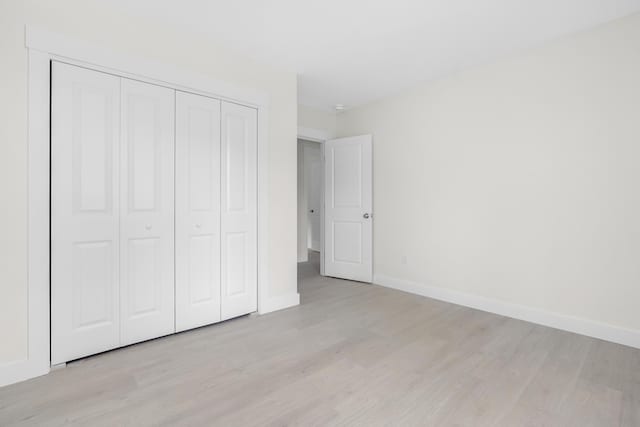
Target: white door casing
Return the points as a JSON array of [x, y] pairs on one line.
[[85, 135], [197, 211], [146, 211], [348, 208], [238, 210]]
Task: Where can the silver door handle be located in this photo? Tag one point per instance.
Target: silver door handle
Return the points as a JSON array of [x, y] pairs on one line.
[[365, 216]]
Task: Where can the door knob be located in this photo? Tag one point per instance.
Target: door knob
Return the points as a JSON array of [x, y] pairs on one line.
[[312, 211], [365, 216]]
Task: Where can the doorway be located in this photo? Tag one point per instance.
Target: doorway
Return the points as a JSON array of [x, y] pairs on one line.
[[335, 203], [310, 194]]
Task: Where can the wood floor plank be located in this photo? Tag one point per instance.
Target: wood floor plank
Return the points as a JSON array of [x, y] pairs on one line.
[[350, 354]]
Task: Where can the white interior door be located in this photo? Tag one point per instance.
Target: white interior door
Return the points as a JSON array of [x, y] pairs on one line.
[[146, 211], [348, 208], [197, 211], [313, 180], [85, 134], [239, 210]]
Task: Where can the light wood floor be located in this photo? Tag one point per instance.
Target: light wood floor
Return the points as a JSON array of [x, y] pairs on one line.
[[351, 354]]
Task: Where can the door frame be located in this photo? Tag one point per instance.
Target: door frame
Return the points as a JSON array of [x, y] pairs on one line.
[[318, 136], [43, 47]]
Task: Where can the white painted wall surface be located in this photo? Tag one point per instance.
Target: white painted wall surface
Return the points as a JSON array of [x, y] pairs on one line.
[[517, 181], [94, 22], [317, 119]]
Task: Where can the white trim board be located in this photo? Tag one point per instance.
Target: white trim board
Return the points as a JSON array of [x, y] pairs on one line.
[[314, 135], [281, 302], [43, 47], [564, 322], [22, 370]]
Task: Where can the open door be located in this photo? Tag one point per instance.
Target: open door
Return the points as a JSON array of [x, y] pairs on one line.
[[348, 208]]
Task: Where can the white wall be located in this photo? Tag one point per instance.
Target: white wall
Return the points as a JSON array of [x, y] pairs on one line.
[[317, 119], [93, 22], [517, 181]]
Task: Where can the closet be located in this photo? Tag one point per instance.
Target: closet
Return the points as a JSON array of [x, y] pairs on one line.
[[153, 211]]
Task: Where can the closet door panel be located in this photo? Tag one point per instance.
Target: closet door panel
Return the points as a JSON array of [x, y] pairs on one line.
[[197, 211], [147, 212], [239, 210], [84, 212]]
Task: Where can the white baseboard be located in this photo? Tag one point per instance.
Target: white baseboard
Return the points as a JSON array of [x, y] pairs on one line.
[[22, 370], [564, 322], [280, 303]]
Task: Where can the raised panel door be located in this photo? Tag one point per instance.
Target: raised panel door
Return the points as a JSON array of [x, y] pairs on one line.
[[85, 137], [146, 211], [197, 210], [239, 210], [348, 205]]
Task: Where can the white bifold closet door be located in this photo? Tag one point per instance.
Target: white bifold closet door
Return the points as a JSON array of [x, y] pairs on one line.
[[112, 145], [113, 184], [239, 228], [216, 210], [197, 211], [146, 212], [85, 211]]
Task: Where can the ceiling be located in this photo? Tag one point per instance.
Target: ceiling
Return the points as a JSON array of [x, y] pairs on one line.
[[352, 52]]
